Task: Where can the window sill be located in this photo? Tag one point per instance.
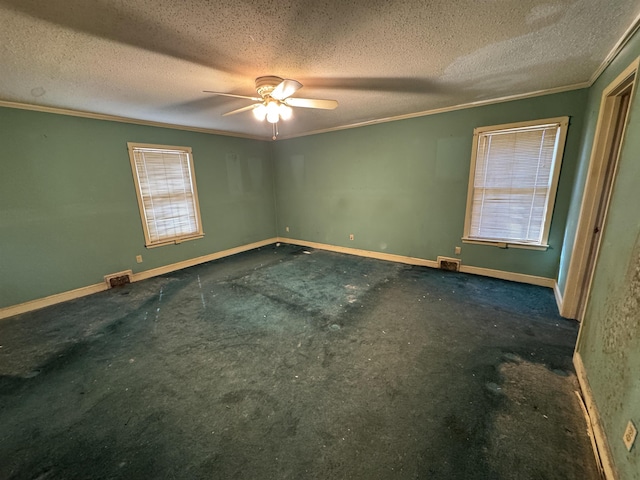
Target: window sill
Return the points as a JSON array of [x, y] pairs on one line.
[[175, 241], [505, 245]]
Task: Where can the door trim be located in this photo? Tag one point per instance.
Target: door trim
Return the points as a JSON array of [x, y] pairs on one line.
[[595, 190]]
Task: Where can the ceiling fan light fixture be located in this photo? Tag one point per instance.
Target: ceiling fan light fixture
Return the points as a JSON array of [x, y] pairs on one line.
[[260, 112], [275, 101], [285, 111], [273, 111]]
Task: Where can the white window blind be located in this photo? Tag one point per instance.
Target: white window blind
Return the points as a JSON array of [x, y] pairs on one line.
[[513, 183], [167, 193]]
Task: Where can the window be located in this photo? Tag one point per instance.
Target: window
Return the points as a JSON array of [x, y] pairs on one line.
[[513, 180], [167, 194]]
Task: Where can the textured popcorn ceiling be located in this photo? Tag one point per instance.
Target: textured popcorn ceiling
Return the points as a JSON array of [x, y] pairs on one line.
[[151, 60]]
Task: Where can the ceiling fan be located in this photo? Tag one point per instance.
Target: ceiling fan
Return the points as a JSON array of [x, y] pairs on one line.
[[275, 100]]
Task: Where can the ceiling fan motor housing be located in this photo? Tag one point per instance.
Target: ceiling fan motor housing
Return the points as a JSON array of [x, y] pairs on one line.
[[266, 85]]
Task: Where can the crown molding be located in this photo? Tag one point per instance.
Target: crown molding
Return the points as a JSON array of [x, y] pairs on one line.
[[115, 118], [462, 106], [620, 44], [617, 48]]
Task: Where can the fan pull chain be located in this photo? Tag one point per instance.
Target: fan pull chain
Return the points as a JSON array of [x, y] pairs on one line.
[[275, 130]]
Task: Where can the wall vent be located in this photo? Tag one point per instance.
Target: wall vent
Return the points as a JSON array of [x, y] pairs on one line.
[[448, 263], [118, 279]]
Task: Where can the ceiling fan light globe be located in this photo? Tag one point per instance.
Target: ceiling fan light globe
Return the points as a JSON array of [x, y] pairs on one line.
[[260, 112], [285, 111], [273, 112], [273, 117]]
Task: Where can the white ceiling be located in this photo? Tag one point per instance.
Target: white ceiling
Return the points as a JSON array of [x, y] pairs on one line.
[[151, 59]]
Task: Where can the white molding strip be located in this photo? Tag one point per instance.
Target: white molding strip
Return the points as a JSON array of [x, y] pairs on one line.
[[115, 118], [617, 48], [435, 111], [631, 30], [592, 196], [390, 257], [136, 277], [558, 294], [601, 445], [487, 272], [154, 272], [39, 303], [511, 276]]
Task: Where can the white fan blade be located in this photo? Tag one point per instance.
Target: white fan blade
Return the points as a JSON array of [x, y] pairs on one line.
[[243, 109], [285, 89], [311, 103], [255, 99]]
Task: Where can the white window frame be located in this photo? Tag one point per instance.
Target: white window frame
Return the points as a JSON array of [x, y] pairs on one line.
[[179, 238], [563, 123]]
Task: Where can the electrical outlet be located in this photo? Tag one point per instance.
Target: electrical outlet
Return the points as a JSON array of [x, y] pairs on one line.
[[139, 258], [351, 236], [630, 434], [457, 250], [286, 228]]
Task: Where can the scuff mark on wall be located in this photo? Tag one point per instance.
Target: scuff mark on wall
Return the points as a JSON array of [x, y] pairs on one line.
[[234, 174]]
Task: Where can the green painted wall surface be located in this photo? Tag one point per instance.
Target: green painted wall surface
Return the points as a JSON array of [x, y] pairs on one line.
[[401, 187], [610, 337], [68, 209]]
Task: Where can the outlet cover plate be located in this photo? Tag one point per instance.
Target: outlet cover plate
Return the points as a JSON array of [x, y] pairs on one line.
[[630, 434]]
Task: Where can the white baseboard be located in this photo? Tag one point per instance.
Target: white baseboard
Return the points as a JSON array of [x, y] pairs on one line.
[[136, 277], [558, 294], [39, 303], [390, 257], [154, 272], [600, 443], [511, 276], [487, 272]]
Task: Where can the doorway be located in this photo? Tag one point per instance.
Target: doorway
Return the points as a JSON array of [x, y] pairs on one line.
[[608, 140]]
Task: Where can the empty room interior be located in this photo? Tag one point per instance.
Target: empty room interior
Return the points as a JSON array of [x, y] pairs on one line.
[[324, 240]]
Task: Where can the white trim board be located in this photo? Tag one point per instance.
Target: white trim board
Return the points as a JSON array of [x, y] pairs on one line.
[[115, 118], [154, 272], [453, 108], [592, 195], [617, 48], [601, 451], [39, 303], [424, 113], [389, 257], [486, 272], [511, 276], [558, 294], [630, 31]]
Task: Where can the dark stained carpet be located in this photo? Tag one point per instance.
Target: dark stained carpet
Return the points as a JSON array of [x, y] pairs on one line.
[[291, 363]]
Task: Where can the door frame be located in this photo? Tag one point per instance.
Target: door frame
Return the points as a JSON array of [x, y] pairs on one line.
[[584, 255]]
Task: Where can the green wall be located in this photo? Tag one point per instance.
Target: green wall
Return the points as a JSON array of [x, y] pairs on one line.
[[68, 208], [610, 337], [401, 187]]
